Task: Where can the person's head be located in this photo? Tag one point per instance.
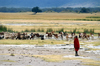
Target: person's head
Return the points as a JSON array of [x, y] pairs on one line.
[[76, 37]]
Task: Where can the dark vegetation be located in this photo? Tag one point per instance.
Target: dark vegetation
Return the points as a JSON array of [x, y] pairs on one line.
[[36, 9], [5, 29], [93, 17]]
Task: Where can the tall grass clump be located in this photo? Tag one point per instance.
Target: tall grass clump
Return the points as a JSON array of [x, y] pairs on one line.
[[88, 31], [27, 30], [91, 30], [5, 29], [33, 30], [10, 30], [60, 30], [49, 30], [74, 30], [40, 30]]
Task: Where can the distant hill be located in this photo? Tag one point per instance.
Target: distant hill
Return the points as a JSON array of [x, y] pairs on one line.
[[49, 3]]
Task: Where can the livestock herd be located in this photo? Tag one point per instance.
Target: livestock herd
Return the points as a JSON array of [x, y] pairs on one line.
[[47, 35]]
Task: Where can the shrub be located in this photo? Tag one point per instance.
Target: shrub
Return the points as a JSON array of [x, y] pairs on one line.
[[33, 30], [4, 28], [12, 54], [49, 30], [26, 30]]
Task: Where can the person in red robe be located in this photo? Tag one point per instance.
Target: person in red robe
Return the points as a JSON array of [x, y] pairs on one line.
[[76, 45]]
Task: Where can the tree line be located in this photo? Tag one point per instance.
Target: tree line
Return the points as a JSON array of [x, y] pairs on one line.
[[68, 9]]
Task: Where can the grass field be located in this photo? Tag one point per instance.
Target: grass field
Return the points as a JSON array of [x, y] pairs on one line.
[[68, 21], [50, 16]]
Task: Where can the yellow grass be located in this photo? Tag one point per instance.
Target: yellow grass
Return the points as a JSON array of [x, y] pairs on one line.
[[91, 62], [54, 58], [60, 58], [50, 58], [58, 26], [32, 42], [50, 20], [46, 16]]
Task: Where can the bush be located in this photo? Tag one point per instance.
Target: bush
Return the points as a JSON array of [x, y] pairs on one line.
[[4, 29], [12, 54], [33, 30], [10, 30], [49, 30], [74, 30], [26, 30], [88, 31]]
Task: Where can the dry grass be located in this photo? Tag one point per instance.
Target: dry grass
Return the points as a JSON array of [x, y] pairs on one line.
[[50, 20], [60, 58], [46, 16], [50, 58], [91, 62], [58, 26], [31, 42], [54, 58]]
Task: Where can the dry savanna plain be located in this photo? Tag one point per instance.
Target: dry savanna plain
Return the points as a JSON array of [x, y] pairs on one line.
[[68, 21], [50, 52]]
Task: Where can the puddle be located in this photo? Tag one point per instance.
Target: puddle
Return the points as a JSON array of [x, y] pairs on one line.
[[72, 56]]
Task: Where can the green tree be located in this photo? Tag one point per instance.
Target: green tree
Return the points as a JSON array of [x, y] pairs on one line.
[[36, 9], [85, 10]]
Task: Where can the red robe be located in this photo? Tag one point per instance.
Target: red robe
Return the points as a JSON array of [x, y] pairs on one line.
[[76, 44]]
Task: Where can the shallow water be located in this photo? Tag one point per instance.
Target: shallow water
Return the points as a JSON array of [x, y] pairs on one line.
[[72, 56]]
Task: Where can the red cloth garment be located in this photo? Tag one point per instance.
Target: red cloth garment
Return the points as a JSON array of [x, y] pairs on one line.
[[76, 44]]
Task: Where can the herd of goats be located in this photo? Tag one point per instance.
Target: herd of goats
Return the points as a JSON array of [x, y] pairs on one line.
[[47, 35]]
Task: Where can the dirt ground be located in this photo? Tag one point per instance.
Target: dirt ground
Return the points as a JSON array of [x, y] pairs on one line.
[[24, 55]]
